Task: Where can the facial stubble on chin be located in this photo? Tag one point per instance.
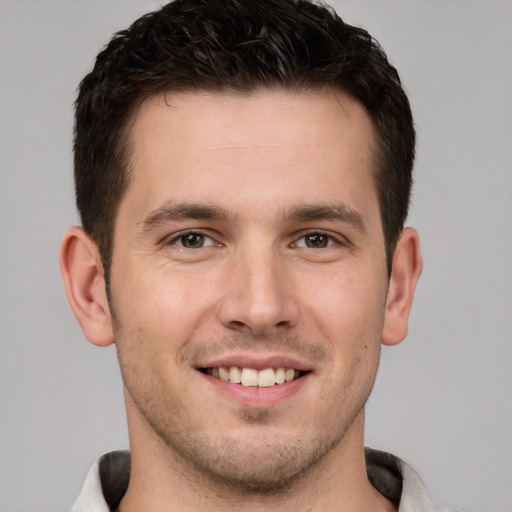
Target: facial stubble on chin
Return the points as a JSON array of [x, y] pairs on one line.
[[240, 466]]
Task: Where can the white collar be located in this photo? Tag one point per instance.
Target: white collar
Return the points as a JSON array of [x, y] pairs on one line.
[[390, 475]]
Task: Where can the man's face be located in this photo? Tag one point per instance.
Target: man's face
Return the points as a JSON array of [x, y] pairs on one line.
[[249, 244]]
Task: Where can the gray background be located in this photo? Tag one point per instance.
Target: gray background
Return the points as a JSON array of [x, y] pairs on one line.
[[443, 397]]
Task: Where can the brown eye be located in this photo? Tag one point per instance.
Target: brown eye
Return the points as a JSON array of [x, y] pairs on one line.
[[316, 240], [192, 240]]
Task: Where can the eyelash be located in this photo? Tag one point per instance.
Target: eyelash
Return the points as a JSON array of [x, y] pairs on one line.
[[181, 235], [331, 239]]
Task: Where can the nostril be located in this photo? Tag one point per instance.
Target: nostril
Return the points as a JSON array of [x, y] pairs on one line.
[[236, 324]]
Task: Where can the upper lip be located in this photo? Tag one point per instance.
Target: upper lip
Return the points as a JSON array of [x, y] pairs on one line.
[[257, 362]]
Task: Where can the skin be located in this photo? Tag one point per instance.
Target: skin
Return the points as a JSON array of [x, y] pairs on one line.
[[287, 268]]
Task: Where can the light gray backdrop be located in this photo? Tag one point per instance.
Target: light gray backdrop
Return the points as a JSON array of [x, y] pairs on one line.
[[443, 397]]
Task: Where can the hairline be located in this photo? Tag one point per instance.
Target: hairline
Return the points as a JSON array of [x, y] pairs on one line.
[[126, 144]]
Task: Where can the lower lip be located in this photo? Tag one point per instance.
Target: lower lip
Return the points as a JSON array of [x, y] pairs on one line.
[[256, 396]]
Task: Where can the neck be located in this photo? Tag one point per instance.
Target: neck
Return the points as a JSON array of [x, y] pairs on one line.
[[161, 481]]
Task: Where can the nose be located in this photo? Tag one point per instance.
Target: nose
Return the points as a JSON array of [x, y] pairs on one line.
[[258, 297]]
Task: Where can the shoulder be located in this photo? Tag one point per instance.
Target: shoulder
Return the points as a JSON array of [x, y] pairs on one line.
[[105, 484], [400, 483]]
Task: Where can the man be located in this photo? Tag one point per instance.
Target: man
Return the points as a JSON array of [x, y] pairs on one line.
[[243, 173]]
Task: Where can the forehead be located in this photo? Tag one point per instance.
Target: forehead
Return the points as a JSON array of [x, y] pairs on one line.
[[311, 114], [236, 148]]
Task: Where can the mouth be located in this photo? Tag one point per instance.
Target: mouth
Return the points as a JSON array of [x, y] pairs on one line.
[[251, 377]]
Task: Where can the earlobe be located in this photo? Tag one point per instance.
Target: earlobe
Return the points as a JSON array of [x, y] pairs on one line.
[[406, 270], [82, 273]]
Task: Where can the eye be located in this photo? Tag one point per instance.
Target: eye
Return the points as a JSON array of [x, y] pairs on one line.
[[315, 240], [192, 240]]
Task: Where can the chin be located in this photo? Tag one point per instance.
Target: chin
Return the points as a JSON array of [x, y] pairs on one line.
[[266, 468], [256, 464]]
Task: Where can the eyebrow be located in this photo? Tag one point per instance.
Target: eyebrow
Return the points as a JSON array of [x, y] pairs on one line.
[[177, 211], [337, 212], [171, 211]]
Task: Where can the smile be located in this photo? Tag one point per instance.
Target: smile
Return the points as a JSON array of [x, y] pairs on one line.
[[251, 377]]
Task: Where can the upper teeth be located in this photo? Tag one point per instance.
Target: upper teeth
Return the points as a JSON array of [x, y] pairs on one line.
[[251, 377]]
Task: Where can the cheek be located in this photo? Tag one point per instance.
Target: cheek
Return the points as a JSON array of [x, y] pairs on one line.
[[161, 303], [348, 309]]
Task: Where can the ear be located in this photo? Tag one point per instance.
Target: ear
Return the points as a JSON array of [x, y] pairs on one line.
[[406, 270], [82, 272]]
